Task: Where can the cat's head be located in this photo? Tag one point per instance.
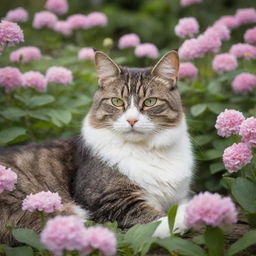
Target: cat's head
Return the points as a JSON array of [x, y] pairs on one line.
[[136, 102]]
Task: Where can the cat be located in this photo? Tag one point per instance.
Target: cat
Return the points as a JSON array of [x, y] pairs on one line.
[[132, 161]]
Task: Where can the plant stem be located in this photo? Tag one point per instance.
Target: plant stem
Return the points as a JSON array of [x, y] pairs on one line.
[[42, 218]]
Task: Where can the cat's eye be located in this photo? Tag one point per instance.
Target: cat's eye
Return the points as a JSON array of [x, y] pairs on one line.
[[150, 102], [117, 102]]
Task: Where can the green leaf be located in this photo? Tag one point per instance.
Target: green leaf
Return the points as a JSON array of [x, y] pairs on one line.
[[246, 241], [244, 192], [29, 237], [10, 134], [139, 237], [199, 239], [216, 108], [198, 109], [13, 114], [60, 116], [214, 240], [216, 167], [182, 246], [202, 139], [212, 154], [37, 101], [171, 217], [19, 251]]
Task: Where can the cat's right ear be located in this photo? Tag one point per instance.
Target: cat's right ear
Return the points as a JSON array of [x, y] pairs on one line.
[[105, 66]]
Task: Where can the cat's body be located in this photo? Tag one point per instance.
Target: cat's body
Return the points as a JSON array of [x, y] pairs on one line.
[[133, 159]]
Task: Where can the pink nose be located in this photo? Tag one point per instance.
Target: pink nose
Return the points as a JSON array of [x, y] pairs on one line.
[[132, 121]]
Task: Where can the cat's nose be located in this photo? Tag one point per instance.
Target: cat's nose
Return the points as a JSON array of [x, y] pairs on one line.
[[132, 121]]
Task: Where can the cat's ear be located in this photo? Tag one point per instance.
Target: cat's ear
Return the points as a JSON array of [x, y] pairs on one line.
[[105, 66], [167, 67]]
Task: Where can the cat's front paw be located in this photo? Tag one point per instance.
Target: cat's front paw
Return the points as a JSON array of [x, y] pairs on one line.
[[162, 230]]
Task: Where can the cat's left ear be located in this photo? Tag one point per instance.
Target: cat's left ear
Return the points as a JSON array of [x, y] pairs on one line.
[[167, 67]]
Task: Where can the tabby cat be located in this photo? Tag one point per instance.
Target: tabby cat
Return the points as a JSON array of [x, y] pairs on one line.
[[132, 161]]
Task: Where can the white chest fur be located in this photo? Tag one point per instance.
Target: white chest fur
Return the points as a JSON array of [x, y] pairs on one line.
[[162, 166]]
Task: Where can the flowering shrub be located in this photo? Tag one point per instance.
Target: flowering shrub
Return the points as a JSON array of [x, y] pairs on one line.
[[217, 86]]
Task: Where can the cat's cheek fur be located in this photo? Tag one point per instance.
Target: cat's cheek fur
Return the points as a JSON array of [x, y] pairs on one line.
[[180, 227], [80, 212]]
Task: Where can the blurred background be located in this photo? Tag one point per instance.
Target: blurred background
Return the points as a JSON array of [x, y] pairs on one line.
[[28, 115]]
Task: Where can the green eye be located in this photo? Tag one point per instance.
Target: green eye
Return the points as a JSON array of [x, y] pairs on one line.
[[150, 102], [117, 102]]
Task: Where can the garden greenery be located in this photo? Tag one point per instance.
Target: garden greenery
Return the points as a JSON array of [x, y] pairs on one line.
[[48, 81]]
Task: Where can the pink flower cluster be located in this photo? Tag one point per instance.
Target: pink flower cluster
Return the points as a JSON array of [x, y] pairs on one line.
[[57, 6], [35, 80], [78, 21], [86, 53], [229, 122], [128, 40], [146, 50], [44, 19], [10, 78], [10, 33], [97, 19], [224, 62], [245, 51], [25, 54], [222, 31], [46, 202], [190, 49], [229, 21], [68, 233], [244, 83], [209, 41], [59, 75], [246, 16], [189, 2], [248, 131], [63, 27], [250, 36], [187, 27], [8, 178], [233, 122], [188, 71], [237, 156], [17, 15], [210, 209]]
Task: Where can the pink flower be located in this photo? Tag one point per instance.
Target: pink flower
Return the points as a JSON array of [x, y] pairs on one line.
[[189, 2], [10, 78], [186, 27], [86, 54], [188, 71], [17, 15], [63, 27], [224, 62], [47, 202], [190, 50], [57, 6], [146, 50], [128, 40], [246, 16], [102, 239], [44, 19], [8, 178], [209, 41], [248, 131], [244, 82], [210, 209], [228, 21], [25, 54], [59, 75], [250, 36], [245, 51], [228, 122], [222, 31], [34, 79], [10, 33], [65, 233], [78, 21], [237, 156], [97, 19]]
